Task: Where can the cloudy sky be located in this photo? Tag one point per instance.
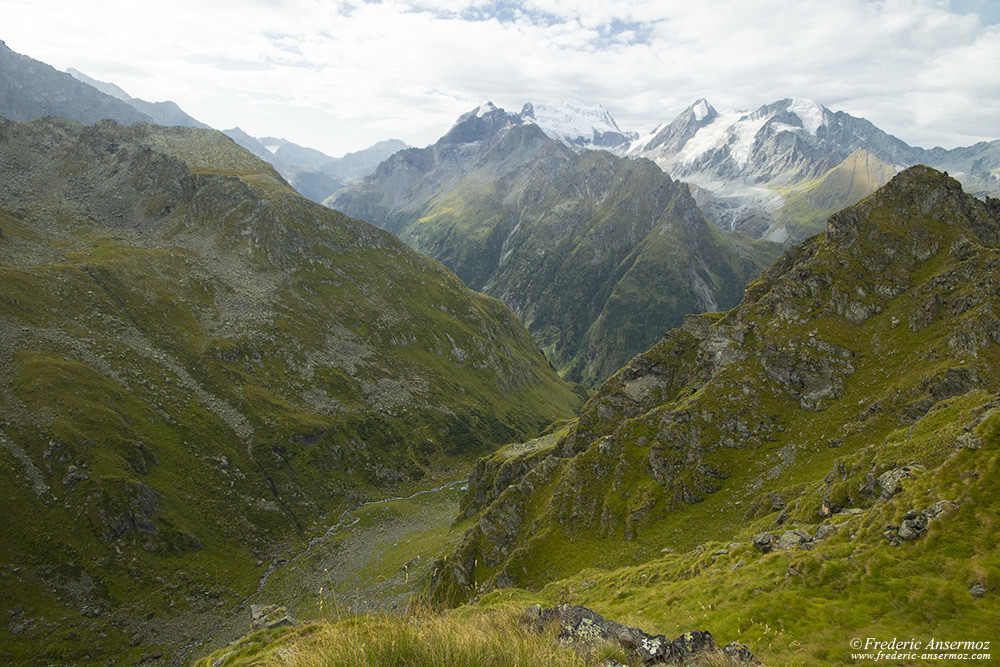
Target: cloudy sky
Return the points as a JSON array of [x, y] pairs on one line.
[[340, 75]]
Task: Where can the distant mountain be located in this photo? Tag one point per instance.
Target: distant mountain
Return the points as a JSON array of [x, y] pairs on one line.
[[807, 206], [595, 253], [359, 164], [162, 113], [577, 125], [200, 370], [250, 143], [313, 173], [746, 161], [29, 89]]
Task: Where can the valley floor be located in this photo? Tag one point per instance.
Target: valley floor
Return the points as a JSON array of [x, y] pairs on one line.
[[375, 559]]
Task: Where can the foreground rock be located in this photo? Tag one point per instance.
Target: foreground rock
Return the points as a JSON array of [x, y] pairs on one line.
[[583, 628], [270, 616]]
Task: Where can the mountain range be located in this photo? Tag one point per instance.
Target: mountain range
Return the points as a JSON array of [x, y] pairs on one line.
[[313, 173], [750, 162], [29, 89], [829, 443], [218, 396], [597, 254]]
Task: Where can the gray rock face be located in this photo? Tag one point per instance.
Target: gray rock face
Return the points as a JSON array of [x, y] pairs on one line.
[[889, 481], [269, 616], [579, 626], [29, 89]]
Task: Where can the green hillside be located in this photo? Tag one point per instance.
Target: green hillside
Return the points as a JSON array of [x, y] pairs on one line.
[[199, 369], [807, 205], [598, 255], [830, 443]]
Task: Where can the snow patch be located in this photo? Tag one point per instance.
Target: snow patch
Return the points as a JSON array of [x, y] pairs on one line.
[[710, 137], [571, 124], [483, 109], [809, 112], [700, 110], [743, 134]]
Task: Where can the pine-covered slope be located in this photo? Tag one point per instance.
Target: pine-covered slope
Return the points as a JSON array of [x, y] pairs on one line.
[[597, 255], [198, 367], [848, 404]]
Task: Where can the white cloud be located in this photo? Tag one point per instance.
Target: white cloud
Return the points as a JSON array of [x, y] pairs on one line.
[[342, 75]]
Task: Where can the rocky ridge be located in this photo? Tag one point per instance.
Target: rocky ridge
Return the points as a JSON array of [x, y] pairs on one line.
[[864, 335], [746, 161]]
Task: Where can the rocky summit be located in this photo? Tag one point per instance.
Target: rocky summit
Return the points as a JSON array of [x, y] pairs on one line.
[[198, 368], [843, 416], [597, 255]]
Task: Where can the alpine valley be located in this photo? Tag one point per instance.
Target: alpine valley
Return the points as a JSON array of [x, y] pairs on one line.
[[519, 397], [598, 255]]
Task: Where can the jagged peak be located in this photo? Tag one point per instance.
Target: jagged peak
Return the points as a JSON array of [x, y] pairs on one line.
[[917, 196], [478, 124], [701, 110]]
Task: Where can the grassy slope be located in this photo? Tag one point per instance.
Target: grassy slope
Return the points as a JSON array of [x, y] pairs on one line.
[[808, 205], [199, 366], [678, 451], [926, 256], [790, 607]]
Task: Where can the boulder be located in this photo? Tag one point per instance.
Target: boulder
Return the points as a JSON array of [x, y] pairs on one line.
[[269, 616], [764, 542], [914, 523], [889, 481], [793, 538]]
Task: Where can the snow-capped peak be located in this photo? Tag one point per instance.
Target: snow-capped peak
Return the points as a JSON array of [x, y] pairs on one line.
[[700, 109], [575, 124], [483, 109], [809, 112]]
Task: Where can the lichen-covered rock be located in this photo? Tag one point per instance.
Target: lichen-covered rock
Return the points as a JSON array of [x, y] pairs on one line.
[[889, 481], [793, 538], [764, 542], [581, 627], [270, 616], [914, 523]]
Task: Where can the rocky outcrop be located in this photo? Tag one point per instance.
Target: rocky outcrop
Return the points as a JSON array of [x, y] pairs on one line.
[[582, 628], [915, 523], [269, 616], [728, 409]]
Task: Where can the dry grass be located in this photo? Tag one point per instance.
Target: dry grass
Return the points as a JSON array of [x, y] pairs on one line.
[[478, 639]]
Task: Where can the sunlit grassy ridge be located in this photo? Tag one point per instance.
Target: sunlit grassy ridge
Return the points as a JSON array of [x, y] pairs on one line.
[[473, 639]]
